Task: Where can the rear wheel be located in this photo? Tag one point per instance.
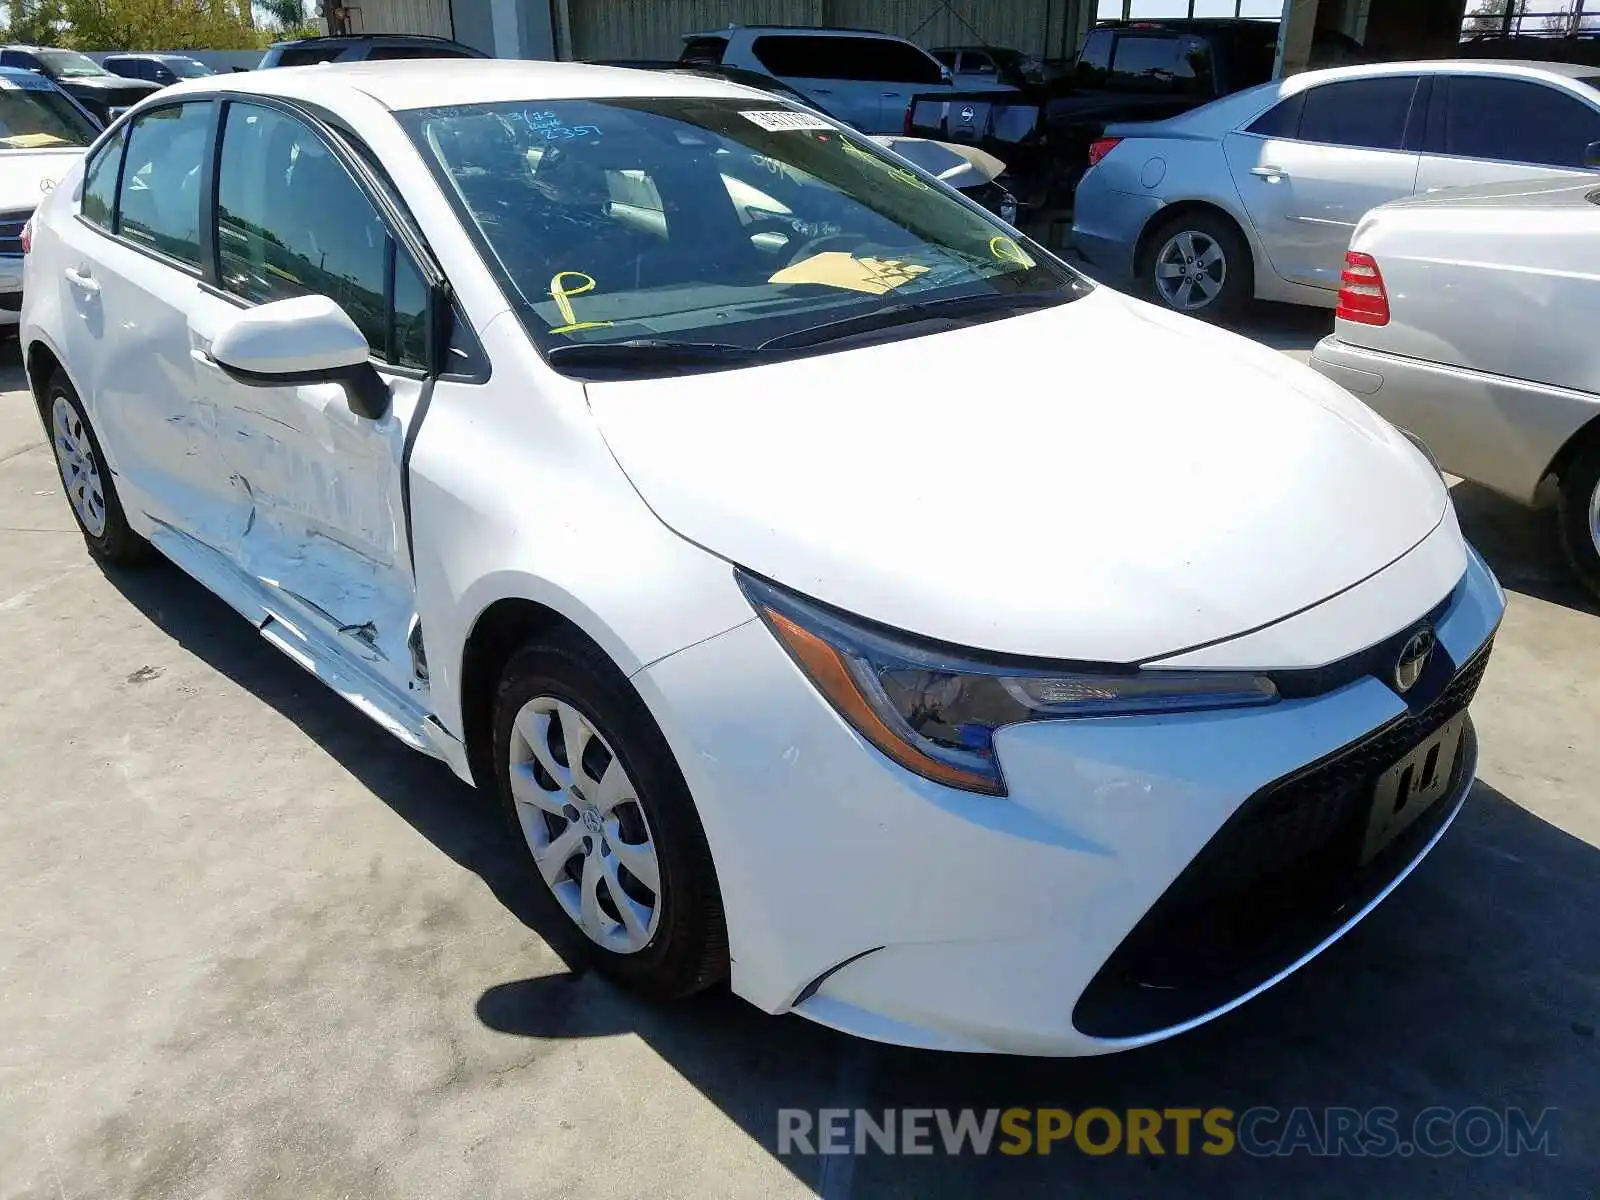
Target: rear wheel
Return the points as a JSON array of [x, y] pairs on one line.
[[1578, 515], [88, 484], [1197, 264]]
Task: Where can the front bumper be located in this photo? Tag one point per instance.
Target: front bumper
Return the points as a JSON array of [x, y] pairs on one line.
[[888, 906]]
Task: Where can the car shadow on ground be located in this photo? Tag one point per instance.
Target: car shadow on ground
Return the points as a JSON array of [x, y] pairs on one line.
[[1474, 985]]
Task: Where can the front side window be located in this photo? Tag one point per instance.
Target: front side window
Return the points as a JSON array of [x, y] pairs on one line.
[[100, 181], [1511, 120], [186, 68], [35, 119], [159, 205], [709, 220], [1366, 113], [291, 221]]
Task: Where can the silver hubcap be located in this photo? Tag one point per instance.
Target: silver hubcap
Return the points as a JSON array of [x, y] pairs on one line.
[[1190, 270], [1594, 518], [80, 470], [584, 823]]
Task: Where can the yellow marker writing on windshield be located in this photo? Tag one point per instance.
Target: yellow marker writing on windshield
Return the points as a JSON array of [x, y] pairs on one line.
[[1007, 250], [562, 295]]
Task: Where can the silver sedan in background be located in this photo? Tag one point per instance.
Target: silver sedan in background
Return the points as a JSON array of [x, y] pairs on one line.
[[1258, 193], [1469, 318]]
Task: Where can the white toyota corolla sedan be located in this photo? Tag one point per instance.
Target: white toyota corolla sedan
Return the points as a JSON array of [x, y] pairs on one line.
[[841, 595]]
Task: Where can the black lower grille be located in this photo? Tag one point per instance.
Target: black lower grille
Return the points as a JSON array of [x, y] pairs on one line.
[[11, 224], [10, 301], [1279, 877]]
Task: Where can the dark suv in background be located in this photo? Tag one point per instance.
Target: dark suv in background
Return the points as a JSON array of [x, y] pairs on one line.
[[362, 47], [1125, 71], [85, 80]]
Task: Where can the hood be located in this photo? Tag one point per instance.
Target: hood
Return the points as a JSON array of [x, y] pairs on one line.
[[106, 83], [28, 176], [1099, 481]]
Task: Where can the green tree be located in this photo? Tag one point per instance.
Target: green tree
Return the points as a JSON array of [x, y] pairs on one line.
[[159, 25], [36, 22]]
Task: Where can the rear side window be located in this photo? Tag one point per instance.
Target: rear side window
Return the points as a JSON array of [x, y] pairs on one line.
[[100, 182], [1177, 65], [1094, 62], [877, 59], [1282, 120], [159, 202], [1366, 113], [1515, 121], [303, 56], [704, 52]]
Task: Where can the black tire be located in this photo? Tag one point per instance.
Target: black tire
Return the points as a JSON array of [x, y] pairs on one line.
[[116, 544], [688, 950], [1236, 274], [1579, 482]]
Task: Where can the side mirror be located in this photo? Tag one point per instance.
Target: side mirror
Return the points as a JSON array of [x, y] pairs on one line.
[[1591, 155], [308, 339]]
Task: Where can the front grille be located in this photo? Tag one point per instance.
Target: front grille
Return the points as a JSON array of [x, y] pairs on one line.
[[11, 224], [1278, 878]]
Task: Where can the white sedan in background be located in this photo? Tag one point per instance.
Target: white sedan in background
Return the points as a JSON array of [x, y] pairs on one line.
[[1056, 723], [1470, 318], [1257, 194], [43, 133]]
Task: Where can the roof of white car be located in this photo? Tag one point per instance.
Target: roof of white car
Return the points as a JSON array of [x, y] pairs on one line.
[[430, 82], [1441, 66]]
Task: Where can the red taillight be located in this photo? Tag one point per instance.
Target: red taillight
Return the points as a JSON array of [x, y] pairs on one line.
[[27, 236], [1362, 296], [910, 108], [1101, 147]]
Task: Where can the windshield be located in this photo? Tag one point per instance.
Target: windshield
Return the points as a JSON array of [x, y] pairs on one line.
[[187, 68], [711, 220], [65, 64], [39, 120]]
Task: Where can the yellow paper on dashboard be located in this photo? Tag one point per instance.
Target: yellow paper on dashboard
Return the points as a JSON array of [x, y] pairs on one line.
[[30, 141], [835, 268]]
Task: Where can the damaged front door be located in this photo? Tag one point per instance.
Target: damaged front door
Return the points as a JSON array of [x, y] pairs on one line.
[[318, 517]]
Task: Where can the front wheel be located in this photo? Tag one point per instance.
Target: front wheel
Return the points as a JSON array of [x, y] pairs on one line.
[[1198, 265], [592, 790]]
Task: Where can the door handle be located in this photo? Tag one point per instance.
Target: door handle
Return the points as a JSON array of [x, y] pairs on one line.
[[80, 279], [891, 95], [1270, 174]]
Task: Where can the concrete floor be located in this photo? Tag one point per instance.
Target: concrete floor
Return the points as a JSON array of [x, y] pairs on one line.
[[253, 948]]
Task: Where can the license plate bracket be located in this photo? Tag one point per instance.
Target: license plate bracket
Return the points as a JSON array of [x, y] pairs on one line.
[[1413, 785]]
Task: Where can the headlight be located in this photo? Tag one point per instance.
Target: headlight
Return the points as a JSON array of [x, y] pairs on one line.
[[935, 709]]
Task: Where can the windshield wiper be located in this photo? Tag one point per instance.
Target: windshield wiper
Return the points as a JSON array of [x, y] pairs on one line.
[[646, 352], [917, 310]]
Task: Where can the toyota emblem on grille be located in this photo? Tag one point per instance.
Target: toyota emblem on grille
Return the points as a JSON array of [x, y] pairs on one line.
[[967, 114], [1413, 661]]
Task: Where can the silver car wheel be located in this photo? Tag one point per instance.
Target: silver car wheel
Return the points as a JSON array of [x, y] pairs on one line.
[[80, 469], [582, 819], [1190, 270], [1594, 518]]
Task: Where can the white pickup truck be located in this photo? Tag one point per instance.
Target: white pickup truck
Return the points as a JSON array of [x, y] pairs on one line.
[[1471, 318]]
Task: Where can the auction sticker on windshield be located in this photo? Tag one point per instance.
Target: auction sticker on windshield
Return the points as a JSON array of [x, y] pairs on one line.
[[777, 120]]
